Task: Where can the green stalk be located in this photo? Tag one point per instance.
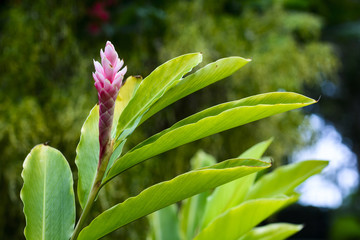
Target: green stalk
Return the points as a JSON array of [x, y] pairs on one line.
[[94, 190]]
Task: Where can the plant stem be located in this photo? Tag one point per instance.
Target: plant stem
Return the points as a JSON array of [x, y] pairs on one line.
[[94, 190], [86, 211]]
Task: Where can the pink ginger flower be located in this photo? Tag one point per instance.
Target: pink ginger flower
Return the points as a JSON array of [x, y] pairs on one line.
[[108, 80]]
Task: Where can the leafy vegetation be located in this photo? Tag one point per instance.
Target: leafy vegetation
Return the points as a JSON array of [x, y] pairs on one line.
[[45, 167], [46, 49], [233, 210]]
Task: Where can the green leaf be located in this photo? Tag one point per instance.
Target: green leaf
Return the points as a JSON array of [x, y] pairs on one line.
[[240, 219], [87, 151], [210, 121], [232, 193], [87, 155], [48, 195], [163, 194], [151, 89], [205, 76], [193, 208], [275, 231], [285, 179], [127, 91], [164, 224], [257, 150]]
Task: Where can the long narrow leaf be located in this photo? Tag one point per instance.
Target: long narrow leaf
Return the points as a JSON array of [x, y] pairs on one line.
[[151, 89], [239, 220], [205, 76], [232, 193], [127, 91], [48, 195], [275, 231], [257, 150], [87, 155], [210, 121], [193, 208], [169, 192], [285, 179]]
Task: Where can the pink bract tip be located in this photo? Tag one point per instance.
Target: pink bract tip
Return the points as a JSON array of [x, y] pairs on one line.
[[108, 79]]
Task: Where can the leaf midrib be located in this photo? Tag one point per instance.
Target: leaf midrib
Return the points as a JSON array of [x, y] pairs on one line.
[[44, 201]]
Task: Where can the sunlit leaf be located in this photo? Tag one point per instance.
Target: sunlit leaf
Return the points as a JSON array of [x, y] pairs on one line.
[[285, 179], [163, 194], [48, 195], [275, 231], [193, 208], [238, 220], [151, 89], [87, 155], [257, 150], [205, 76], [232, 193], [210, 121], [127, 91]]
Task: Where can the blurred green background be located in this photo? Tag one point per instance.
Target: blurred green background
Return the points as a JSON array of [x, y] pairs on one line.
[[46, 88]]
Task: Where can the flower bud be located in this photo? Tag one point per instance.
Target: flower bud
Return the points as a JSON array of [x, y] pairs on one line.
[[108, 80]]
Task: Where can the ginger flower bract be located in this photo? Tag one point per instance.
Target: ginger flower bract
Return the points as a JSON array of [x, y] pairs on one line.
[[108, 80]]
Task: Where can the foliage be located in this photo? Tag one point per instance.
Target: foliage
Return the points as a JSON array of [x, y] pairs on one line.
[[48, 194], [44, 63], [233, 210], [45, 167], [284, 45], [342, 29], [42, 68]]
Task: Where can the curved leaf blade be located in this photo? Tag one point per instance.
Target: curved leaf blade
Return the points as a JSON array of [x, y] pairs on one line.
[[275, 231], [151, 89], [205, 76], [165, 193], [126, 93], [239, 220], [87, 151], [257, 150], [210, 121], [48, 195], [193, 208], [232, 193], [87, 155], [285, 178]]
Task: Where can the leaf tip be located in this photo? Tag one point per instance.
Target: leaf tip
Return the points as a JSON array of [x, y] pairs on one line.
[[200, 54], [318, 99], [300, 227]]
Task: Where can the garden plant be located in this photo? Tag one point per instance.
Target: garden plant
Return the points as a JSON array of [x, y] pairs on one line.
[[48, 195], [233, 210]]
